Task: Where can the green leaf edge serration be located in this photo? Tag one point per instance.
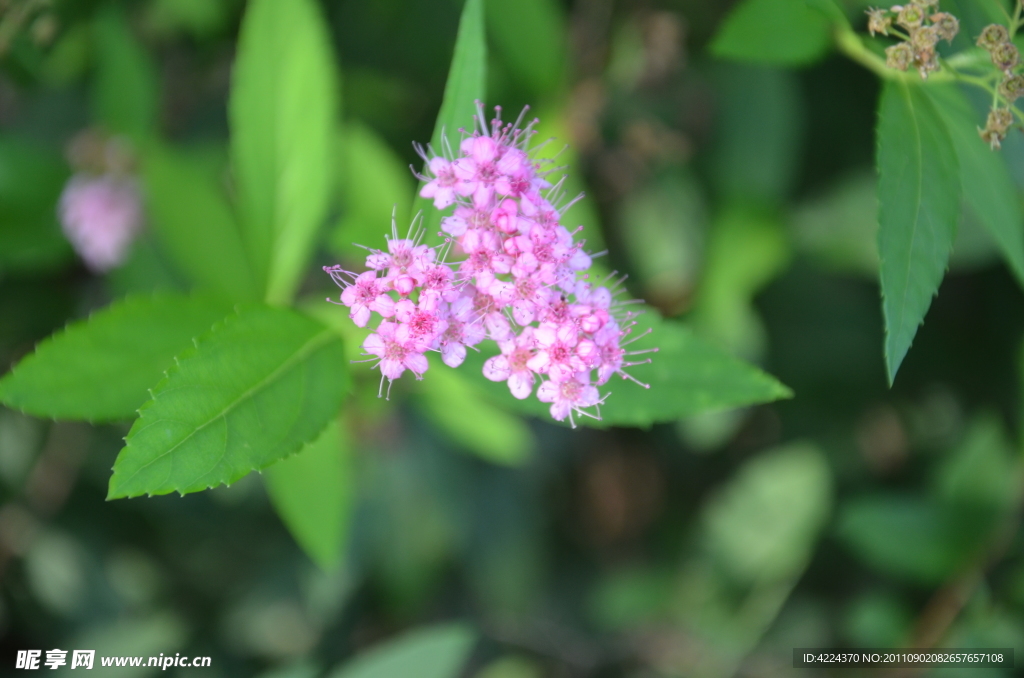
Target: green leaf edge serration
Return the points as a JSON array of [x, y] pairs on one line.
[[122, 306], [326, 332]]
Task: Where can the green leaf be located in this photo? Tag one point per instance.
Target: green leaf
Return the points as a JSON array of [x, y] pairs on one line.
[[764, 524], [282, 111], [466, 85], [979, 475], [374, 182], [102, 368], [31, 179], [126, 90], [530, 36], [746, 250], [907, 537], [984, 176], [312, 492], [918, 208], [453, 403], [195, 224], [782, 32], [433, 652], [254, 390], [759, 129], [687, 376]]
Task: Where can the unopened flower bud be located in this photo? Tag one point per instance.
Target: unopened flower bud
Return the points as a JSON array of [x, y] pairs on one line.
[[1005, 56], [992, 137], [999, 119], [1012, 87], [927, 61], [924, 38], [879, 21], [910, 16], [946, 25], [993, 35], [899, 56]]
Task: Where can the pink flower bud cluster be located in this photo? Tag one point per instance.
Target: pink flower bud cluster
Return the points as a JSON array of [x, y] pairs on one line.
[[100, 216], [519, 279]]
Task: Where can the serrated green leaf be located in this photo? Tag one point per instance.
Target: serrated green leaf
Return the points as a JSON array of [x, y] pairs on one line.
[[195, 224], [453, 403], [466, 84], [101, 368], [126, 89], [984, 177], [254, 390], [433, 652], [918, 208], [782, 32], [31, 178], [530, 36], [374, 181], [312, 492], [687, 376], [282, 111], [764, 523]]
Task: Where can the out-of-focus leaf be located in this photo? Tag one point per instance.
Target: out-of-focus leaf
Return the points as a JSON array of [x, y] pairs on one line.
[[758, 125], [198, 17], [687, 376], [784, 32], [31, 179], [374, 184], [837, 229], [195, 224], [530, 37], [746, 249], [102, 368], [282, 111], [763, 525], [312, 492], [665, 238], [877, 620], [985, 179], [466, 85], [918, 208], [631, 598], [453, 403], [980, 473], [511, 666], [432, 652], [905, 536], [126, 89], [253, 390], [148, 636], [145, 271]]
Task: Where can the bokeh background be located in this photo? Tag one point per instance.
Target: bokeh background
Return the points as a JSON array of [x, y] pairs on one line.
[[737, 197]]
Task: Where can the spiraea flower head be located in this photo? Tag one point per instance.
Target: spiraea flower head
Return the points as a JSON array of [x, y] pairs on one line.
[[946, 25], [911, 15], [1012, 87], [1005, 56], [516, 275], [899, 56], [993, 35], [879, 21]]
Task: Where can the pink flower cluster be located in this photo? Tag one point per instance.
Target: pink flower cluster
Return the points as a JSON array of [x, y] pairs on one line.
[[520, 279]]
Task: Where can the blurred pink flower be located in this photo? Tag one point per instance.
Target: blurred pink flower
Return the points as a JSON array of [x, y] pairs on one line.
[[100, 217]]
